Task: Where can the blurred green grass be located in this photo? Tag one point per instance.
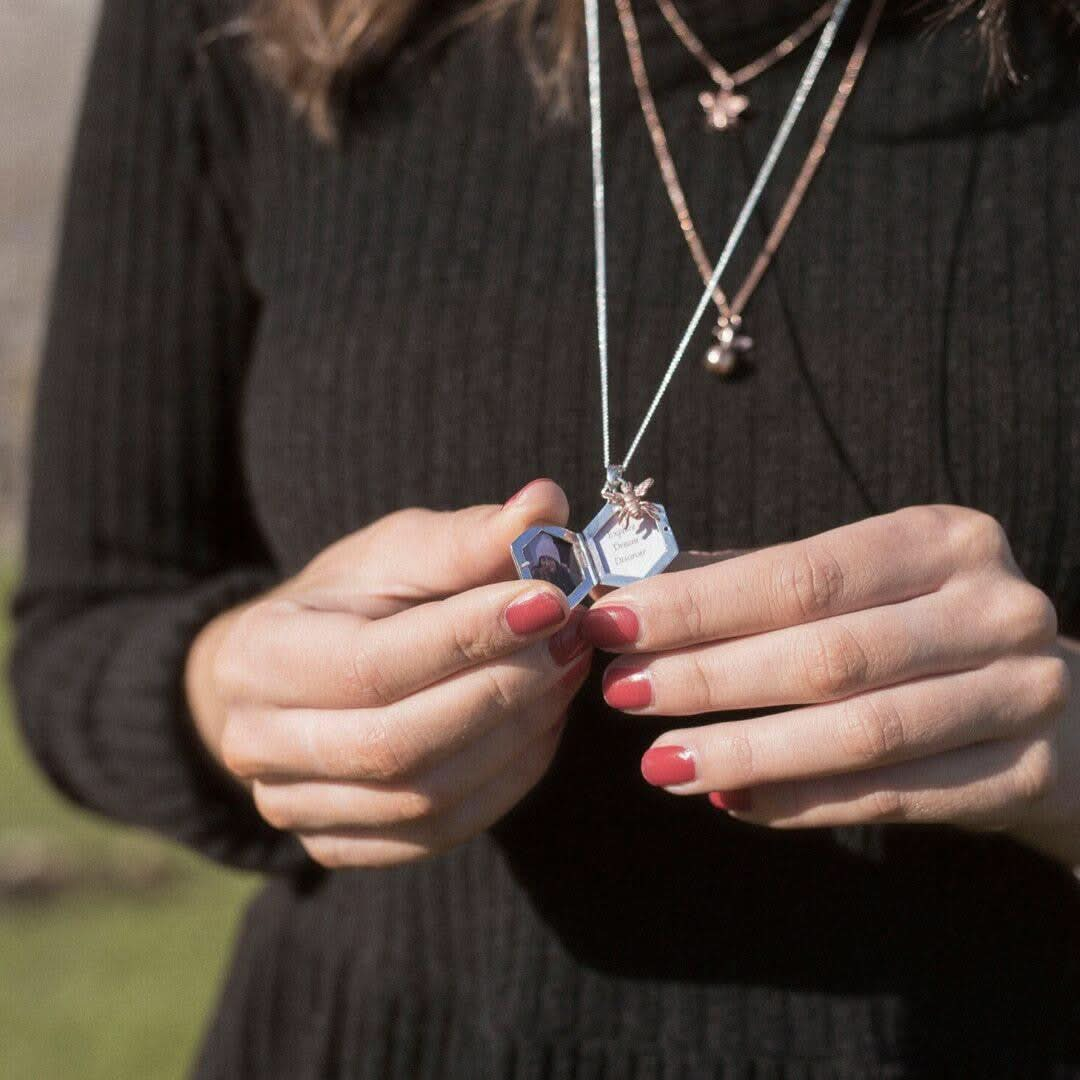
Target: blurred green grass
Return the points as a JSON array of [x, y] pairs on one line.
[[97, 982]]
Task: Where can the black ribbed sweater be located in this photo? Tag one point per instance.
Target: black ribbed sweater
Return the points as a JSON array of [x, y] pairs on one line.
[[260, 343]]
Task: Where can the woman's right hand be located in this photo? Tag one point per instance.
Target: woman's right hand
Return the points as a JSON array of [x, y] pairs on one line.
[[396, 697]]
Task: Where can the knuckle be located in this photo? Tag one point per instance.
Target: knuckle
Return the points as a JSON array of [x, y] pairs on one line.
[[813, 582], [1052, 686], [227, 669], [379, 754], [235, 747], [417, 805], [500, 694], [408, 517], [887, 804], [398, 524], [699, 680], [978, 537], [321, 850], [690, 613], [871, 729], [366, 682], [476, 644], [247, 651], [930, 524], [230, 667], [738, 750], [834, 663], [1036, 772], [455, 529], [331, 852], [1030, 615], [272, 809]]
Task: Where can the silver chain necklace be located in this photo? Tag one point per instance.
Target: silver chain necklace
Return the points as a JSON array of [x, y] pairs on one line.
[[630, 538]]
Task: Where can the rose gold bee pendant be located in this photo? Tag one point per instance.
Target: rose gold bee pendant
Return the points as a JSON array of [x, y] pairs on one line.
[[723, 108], [628, 540]]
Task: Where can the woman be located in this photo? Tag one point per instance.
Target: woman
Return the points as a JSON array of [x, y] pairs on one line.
[[278, 333]]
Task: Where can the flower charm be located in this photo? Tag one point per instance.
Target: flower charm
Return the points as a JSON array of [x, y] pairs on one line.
[[629, 503], [722, 358], [722, 108]]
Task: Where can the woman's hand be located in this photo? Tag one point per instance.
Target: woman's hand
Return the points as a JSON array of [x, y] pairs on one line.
[[396, 697], [931, 684]]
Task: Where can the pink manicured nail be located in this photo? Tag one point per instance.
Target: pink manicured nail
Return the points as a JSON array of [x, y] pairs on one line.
[[627, 688], [533, 613], [732, 800], [518, 496], [567, 642], [664, 766], [610, 626]]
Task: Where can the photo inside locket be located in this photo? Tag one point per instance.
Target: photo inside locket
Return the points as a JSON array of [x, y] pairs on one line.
[[551, 558]]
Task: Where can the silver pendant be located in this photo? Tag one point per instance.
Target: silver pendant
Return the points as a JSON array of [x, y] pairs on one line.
[[724, 357], [629, 539], [723, 109]]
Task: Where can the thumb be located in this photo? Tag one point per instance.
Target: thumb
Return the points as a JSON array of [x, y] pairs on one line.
[[426, 554]]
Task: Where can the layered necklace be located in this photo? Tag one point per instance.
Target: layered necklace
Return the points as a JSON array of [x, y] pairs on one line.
[[630, 538], [723, 106], [723, 356]]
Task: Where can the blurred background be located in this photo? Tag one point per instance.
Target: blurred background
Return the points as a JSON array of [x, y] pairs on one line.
[[112, 945]]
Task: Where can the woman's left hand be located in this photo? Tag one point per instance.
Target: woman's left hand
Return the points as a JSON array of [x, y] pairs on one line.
[[930, 681]]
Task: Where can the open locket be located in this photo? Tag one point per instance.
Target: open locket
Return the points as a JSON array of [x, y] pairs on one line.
[[609, 551]]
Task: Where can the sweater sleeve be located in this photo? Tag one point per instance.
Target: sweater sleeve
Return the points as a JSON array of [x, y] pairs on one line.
[[140, 529]]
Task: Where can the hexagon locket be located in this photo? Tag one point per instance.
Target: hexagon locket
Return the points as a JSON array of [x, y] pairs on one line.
[[611, 550]]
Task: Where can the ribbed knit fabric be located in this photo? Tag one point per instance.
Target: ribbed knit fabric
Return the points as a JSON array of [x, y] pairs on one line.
[[260, 343]]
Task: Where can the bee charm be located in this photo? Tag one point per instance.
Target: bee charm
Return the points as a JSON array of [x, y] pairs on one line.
[[628, 540], [723, 109], [629, 503]]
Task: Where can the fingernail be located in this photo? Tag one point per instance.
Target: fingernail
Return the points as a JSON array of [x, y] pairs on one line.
[[574, 673], [518, 496], [732, 800], [533, 613], [664, 766], [610, 626], [567, 642], [627, 688]]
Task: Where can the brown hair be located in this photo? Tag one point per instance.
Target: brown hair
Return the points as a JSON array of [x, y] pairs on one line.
[[308, 46]]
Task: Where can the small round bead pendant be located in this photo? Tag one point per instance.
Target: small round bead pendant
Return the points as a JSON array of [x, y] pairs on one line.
[[724, 357], [720, 361]]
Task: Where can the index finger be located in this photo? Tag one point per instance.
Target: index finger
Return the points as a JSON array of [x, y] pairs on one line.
[[294, 656], [881, 560]]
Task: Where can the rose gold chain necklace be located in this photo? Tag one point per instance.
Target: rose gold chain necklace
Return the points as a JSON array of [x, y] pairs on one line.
[[723, 107], [723, 356]]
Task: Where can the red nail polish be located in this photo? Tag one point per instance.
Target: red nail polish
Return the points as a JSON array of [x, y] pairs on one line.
[[731, 800], [518, 496], [533, 613], [574, 673], [627, 688], [610, 626], [664, 766], [567, 642]]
